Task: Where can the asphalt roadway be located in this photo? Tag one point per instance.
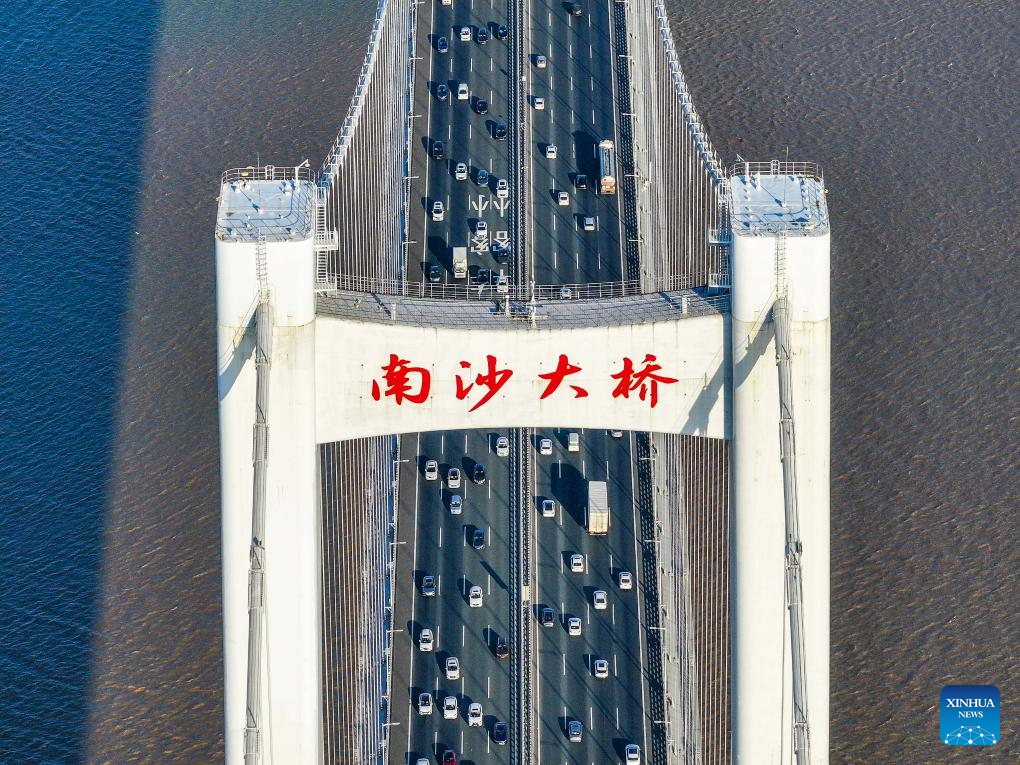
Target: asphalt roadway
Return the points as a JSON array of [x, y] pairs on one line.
[[580, 110]]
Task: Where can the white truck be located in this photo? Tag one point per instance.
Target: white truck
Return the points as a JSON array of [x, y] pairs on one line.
[[597, 516], [460, 266]]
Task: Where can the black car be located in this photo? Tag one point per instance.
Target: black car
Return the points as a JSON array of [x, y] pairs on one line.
[[548, 617], [502, 648], [482, 179], [499, 732], [428, 586], [501, 32], [481, 105], [438, 149], [499, 131], [478, 474], [581, 181], [435, 273], [478, 539], [442, 91], [442, 45], [575, 9], [482, 36]]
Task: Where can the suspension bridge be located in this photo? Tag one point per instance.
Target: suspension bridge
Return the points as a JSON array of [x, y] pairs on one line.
[[522, 272]]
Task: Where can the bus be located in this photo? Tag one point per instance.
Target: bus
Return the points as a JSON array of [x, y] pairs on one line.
[[607, 167]]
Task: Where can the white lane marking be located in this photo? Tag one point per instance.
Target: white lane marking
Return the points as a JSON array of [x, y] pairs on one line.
[[414, 567], [449, 132], [570, 50], [442, 444], [465, 441], [612, 610], [549, 14], [610, 554], [561, 571], [590, 54], [584, 470], [618, 718], [554, 260], [463, 635], [587, 614], [554, 221], [490, 64], [571, 83], [488, 584], [488, 687], [593, 117], [591, 719], [599, 256], [572, 122], [592, 83], [471, 65], [614, 665], [440, 536], [577, 256], [564, 664], [469, 132]]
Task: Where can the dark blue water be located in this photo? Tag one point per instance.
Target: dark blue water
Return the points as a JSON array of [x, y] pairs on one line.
[[115, 122], [75, 100]]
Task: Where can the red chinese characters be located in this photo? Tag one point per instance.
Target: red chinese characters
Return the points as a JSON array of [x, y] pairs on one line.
[[493, 380], [398, 375], [403, 382], [563, 368], [644, 381]]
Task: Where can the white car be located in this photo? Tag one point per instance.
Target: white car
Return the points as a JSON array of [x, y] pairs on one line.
[[431, 470], [463, 94], [577, 563], [465, 34], [550, 151], [616, 433], [425, 640], [574, 626], [456, 504], [548, 508], [562, 198], [538, 102], [421, 761], [588, 223], [481, 227], [502, 446], [450, 708], [601, 667], [460, 171], [545, 446], [475, 597], [502, 188], [447, 2], [632, 753], [438, 212], [475, 715], [425, 703], [453, 478], [540, 61], [626, 580], [600, 600], [573, 442], [452, 667]]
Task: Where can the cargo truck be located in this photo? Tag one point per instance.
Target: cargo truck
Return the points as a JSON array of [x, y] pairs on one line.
[[460, 267], [597, 517]]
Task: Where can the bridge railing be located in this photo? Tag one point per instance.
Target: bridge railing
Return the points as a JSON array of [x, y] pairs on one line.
[[519, 292], [266, 173], [779, 167]]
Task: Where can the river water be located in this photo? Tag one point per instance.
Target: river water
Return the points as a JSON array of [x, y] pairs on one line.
[[116, 124]]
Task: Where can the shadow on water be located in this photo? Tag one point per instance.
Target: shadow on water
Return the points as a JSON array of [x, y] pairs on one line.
[[76, 78]]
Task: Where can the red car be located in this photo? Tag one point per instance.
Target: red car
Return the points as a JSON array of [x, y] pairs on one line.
[[449, 757]]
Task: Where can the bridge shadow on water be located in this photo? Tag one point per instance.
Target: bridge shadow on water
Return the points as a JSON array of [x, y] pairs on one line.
[[77, 82]]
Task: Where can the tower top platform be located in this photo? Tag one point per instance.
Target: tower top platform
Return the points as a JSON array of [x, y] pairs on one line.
[[275, 202], [769, 197]]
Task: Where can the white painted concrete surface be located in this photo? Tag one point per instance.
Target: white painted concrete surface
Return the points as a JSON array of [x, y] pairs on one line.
[[291, 730], [761, 663], [351, 355]]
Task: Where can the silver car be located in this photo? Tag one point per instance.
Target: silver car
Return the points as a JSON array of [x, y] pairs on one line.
[[601, 668], [545, 446], [425, 640], [463, 92], [460, 171], [453, 478], [438, 212], [425, 703], [577, 563], [550, 151], [450, 708], [456, 504], [502, 188], [502, 446], [431, 470], [632, 753], [452, 668]]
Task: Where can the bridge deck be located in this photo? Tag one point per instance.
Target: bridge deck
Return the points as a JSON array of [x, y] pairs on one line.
[[493, 314]]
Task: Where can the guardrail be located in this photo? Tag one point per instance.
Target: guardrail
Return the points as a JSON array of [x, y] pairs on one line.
[[485, 291], [266, 173], [779, 167]]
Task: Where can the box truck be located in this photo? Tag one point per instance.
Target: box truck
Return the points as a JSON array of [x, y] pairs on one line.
[[460, 268], [597, 517]]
